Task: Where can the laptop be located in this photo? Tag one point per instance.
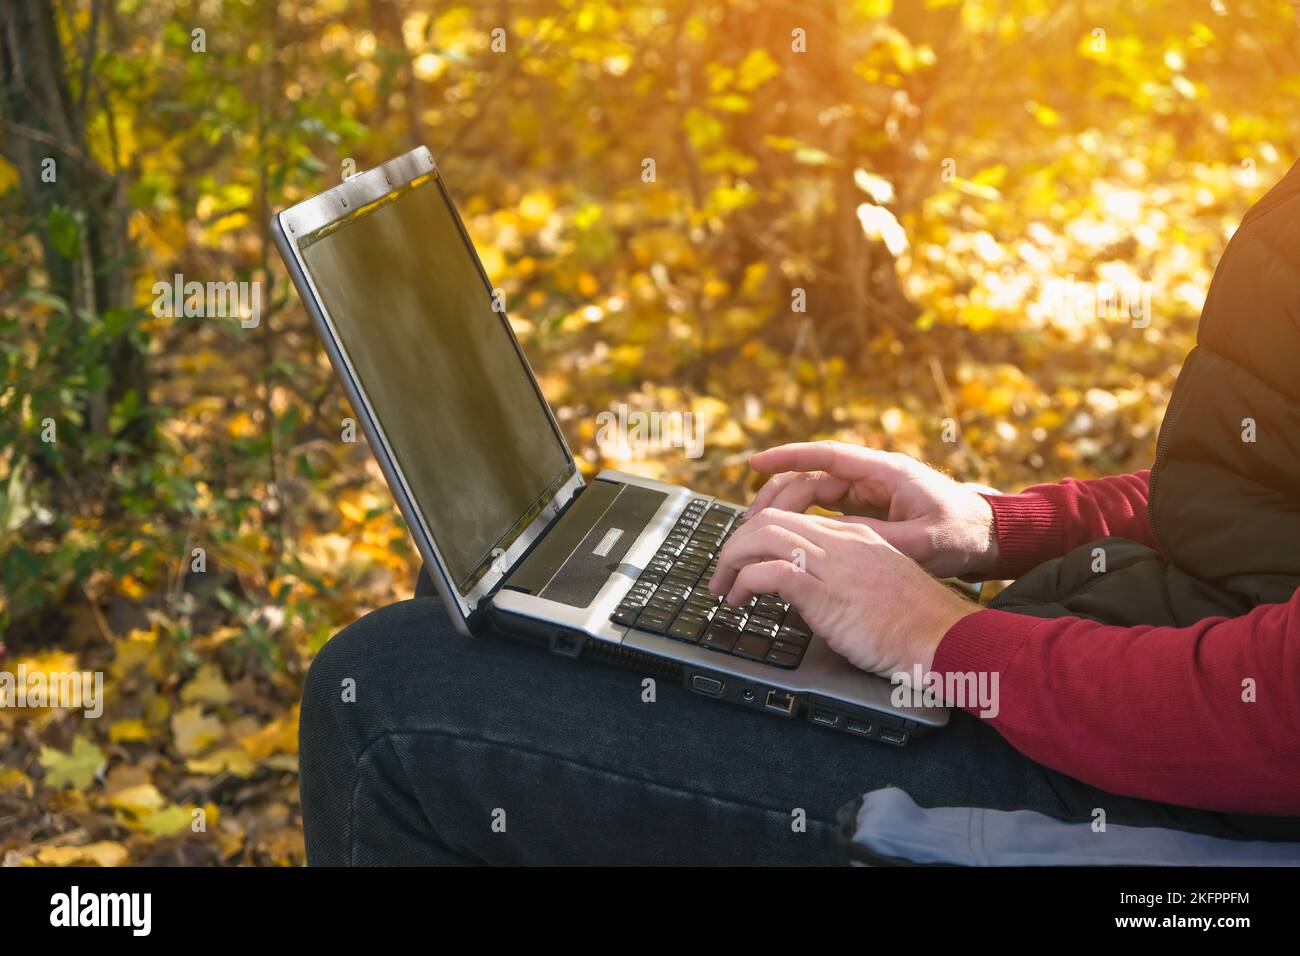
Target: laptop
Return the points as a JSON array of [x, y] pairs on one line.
[[515, 540]]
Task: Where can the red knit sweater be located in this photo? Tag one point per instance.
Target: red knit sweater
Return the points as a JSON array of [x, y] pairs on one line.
[[1151, 712]]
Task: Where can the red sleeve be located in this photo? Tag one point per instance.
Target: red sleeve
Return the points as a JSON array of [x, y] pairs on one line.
[[1203, 716], [1045, 521]]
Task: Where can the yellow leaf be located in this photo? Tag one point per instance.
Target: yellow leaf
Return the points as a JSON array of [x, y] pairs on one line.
[[126, 731], [56, 662], [166, 820], [536, 207], [132, 588], [194, 733], [11, 778], [279, 736], [138, 800], [103, 853], [206, 687], [8, 176], [352, 511], [756, 69], [231, 760]]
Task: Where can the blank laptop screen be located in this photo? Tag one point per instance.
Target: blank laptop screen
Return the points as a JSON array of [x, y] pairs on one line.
[[439, 367]]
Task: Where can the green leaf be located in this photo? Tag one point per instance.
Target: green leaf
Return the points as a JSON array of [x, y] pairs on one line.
[[65, 232], [76, 768]]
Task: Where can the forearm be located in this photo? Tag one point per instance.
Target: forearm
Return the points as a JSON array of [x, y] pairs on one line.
[[1203, 716], [1045, 521]]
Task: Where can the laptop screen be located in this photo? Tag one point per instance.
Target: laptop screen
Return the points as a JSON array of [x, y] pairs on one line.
[[441, 371]]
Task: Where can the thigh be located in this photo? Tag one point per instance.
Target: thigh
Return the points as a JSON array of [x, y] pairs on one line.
[[509, 754]]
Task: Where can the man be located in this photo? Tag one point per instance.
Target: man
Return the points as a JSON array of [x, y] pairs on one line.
[[1148, 656]]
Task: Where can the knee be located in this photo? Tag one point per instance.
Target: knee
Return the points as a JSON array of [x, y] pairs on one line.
[[359, 676]]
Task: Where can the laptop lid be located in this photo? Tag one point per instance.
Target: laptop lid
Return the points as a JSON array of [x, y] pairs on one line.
[[453, 413]]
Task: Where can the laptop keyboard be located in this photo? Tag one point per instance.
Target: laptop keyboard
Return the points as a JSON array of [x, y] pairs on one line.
[[671, 596]]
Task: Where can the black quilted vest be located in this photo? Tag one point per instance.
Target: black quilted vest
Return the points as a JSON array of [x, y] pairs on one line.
[[1225, 488]]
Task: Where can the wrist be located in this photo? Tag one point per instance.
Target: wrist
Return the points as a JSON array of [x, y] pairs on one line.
[[943, 616], [988, 531]]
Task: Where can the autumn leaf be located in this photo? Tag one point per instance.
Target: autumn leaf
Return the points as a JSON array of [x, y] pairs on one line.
[[128, 730], [232, 760], [208, 686], [193, 732], [76, 768], [278, 736], [101, 853]]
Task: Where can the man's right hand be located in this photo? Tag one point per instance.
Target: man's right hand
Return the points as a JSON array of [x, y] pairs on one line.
[[942, 525]]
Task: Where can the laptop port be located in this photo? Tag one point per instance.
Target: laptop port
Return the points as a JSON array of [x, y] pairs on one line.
[[825, 717], [748, 695], [708, 686], [780, 701], [855, 726], [892, 736]]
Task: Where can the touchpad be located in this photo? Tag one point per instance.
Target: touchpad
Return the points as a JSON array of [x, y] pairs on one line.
[[588, 544]]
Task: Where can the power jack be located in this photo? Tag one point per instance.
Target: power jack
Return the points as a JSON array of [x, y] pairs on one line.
[[748, 694]]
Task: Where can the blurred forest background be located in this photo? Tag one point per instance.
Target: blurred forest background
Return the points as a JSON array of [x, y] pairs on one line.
[[924, 171]]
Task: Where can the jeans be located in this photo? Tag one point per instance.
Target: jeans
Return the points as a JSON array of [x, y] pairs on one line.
[[421, 747]]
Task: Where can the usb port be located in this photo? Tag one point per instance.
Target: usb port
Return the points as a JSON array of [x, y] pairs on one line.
[[855, 726], [780, 701], [892, 736], [825, 717]]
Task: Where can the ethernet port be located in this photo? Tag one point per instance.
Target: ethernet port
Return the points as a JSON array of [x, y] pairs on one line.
[[780, 701]]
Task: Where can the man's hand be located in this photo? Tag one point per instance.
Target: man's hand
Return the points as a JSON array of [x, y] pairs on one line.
[[870, 603], [944, 526]]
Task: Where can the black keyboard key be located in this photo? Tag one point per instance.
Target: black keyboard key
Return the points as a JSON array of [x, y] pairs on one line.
[[719, 637], [625, 616], [792, 634], [687, 628], [751, 646], [761, 627], [694, 610], [795, 636], [656, 622], [730, 616], [789, 647], [783, 659]]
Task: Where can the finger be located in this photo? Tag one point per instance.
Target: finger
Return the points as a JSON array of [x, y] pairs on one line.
[[816, 488], [822, 531], [798, 587], [760, 544], [771, 488], [874, 469], [908, 537]]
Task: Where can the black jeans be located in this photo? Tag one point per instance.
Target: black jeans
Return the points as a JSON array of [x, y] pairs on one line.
[[419, 746]]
